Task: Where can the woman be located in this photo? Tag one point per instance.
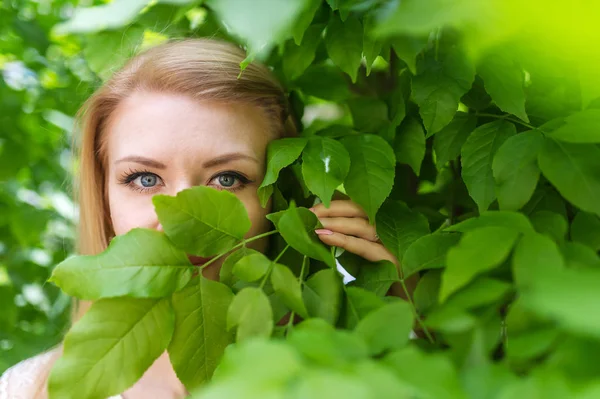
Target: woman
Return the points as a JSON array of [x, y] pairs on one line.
[[174, 117]]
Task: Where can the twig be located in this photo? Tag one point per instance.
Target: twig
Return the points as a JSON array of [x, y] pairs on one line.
[[508, 118], [414, 308]]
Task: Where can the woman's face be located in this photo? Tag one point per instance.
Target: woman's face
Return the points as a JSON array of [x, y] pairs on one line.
[[165, 143]]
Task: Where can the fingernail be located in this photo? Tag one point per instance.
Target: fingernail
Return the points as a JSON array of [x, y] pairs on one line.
[[312, 210], [323, 232]]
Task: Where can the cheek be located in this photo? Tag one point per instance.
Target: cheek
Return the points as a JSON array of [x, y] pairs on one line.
[[260, 224], [128, 211]]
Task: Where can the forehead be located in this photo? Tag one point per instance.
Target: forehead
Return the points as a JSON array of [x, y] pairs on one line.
[[168, 125]]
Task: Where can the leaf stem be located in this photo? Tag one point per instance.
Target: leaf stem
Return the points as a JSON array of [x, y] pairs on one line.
[[281, 253], [508, 118], [333, 249], [304, 263], [243, 243], [290, 323], [417, 317]]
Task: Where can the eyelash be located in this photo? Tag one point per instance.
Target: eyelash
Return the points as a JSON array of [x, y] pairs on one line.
[[128, 178]]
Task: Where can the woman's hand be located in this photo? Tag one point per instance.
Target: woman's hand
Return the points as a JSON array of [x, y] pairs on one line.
[[346, 225]]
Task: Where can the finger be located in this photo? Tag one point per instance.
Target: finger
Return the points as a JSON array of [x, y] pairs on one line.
[[339, 208], [369, 250], [357, 227]]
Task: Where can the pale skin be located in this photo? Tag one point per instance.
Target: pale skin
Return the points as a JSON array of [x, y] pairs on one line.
[[163, 143]]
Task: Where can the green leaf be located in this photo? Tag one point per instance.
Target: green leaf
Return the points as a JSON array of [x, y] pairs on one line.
[[504, 81], [515, 169], [409, 145], [482, 291], [297, 58], [280, 153], [380, 381], [286, 284], [371, 46], [551, 224], [585, 229], [512, 220], [398, 226], [428, 252], [111, 347], [546, 198], [531, 344], [328, 383], [296, 226], [580, 127], [387, 328], [427, 292], [372, 170], [477, 157], [325, 165], [327, 346], [324, 81], [251, 267], [377, 277], [141, 263], [449, 141], [322, 295], [368, 114], [304, 19], [254, 369], [432, 375], [450, 320], [574, 169], [114, 15], [251, 312], [226, 271], [200, 336], [397, 106], [359, 302], [343, 41], [535, 254], [478, 251], [253, 22], [407, 48], [416, 16], [438, 89], [202, 220], [568, 296], [106, 52], [579, 256]]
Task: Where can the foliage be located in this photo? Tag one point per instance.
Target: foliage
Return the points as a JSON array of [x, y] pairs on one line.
[[474, 153], [43, 81]]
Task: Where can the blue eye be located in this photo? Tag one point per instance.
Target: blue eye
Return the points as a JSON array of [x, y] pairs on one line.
[[141, 180], [230, 180], [148, 180], [227, 180]]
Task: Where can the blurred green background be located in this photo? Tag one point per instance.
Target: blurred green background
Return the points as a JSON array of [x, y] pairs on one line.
[[42, 84]]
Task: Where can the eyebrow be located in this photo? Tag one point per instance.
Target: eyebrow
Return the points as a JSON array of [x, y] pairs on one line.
[[220, 160], [143, 160], [223, 159]]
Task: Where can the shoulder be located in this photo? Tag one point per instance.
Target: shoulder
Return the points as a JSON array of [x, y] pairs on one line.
[[25, 380]]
